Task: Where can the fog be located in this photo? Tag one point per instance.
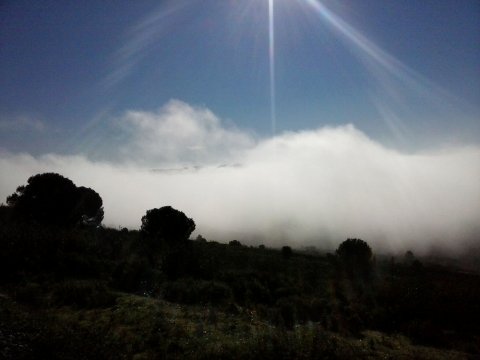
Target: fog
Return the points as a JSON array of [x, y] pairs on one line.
[[315, 187]]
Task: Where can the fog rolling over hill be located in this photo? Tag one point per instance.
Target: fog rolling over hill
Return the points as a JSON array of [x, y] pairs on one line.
[[314, 187], [279, 122]]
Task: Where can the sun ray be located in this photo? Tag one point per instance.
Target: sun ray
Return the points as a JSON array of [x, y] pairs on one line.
[[271, 52], [395, 79]]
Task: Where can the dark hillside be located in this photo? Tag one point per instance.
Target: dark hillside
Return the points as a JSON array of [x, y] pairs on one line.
[[64, 289]]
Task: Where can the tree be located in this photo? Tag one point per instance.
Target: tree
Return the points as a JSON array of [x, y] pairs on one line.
[[89, 206], [167, 223], [170, 227], [356, 256], [5, 214], [409, 258], [287, 252], [52, 199]]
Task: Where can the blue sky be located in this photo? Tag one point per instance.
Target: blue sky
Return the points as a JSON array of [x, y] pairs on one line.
[[69, 68]]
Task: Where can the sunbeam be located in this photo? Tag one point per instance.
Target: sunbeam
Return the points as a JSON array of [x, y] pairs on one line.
[[271, 38], [382, 58], [396, 81]]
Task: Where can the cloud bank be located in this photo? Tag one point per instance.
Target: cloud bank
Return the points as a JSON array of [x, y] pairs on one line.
[[179, 134], [314, 187]]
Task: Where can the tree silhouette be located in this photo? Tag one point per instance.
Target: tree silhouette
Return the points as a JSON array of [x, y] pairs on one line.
[[52, 199], [356, 256], [170, 227], [89, 206], [287, 252], [167, 223]]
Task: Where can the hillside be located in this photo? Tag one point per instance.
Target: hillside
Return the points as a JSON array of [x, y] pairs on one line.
[[83, 293]]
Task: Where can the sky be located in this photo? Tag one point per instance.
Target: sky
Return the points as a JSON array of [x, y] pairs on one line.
[[292, 121]]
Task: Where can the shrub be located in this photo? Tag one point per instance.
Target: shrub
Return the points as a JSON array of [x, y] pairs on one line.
[[83, 294], [136, 275], [30, 293], [189, 291]]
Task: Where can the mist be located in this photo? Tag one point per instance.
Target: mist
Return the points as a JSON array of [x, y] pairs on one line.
[[309, 188]]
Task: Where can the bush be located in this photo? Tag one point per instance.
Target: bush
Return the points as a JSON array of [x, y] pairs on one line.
[[188, 291], [83, 294], [30, 293], [136, 275], [287, 313]]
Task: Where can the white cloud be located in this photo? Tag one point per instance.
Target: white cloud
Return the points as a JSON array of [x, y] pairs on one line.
[[180, 134], [313, 187]]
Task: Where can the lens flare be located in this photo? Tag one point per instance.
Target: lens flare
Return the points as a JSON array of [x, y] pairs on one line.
[[360, 41], [271, 52], [397, 83]]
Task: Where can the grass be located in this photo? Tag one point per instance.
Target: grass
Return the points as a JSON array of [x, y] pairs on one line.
[[137, 327]]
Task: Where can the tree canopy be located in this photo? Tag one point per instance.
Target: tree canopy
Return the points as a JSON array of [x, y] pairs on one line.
[[53, 199], [356, 256], [287, 252], [167, 223]]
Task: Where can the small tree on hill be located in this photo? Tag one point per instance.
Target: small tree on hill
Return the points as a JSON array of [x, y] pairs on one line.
[[168, 224], [287, 252], [171, 227], [356, 256]]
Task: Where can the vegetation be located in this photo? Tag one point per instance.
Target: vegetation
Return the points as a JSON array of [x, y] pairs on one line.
[[168, 224], [51, 199], [356, 258], [83, 292]]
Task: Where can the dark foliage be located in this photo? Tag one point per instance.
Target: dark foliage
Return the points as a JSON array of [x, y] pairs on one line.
[[287, 252], [135, 275], [356, 257], [168, 224], [188, 291], [52, 199], [85, 269], [88, 207], [82, 294]]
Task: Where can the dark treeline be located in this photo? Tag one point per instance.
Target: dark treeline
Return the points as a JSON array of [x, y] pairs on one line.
[[57, 259]]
